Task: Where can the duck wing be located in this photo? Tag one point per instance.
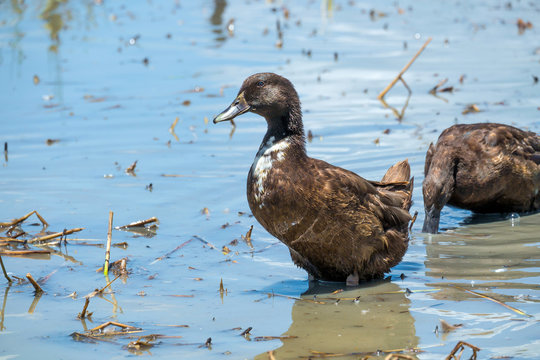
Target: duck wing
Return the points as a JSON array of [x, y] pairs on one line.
[[388, 201]]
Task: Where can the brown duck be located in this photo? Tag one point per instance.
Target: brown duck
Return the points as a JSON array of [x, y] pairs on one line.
[[486, 168], [337, 225]]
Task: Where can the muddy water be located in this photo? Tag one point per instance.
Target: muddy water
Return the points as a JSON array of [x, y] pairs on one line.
[[108, 79]]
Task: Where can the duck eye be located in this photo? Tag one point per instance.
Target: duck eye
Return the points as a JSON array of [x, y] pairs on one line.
[[260, 84]]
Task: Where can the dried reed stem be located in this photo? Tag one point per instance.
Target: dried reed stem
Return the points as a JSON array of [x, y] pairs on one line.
[[461, 346], [21, 219], [55, 235], [34, 283], [171, 129], [4, 270], [108, 251], [82, 315], [108, 323], [139, 223], [381, 95]]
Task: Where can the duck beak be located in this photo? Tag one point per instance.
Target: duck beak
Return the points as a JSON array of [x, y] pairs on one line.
[[431, 221], [238, 107]]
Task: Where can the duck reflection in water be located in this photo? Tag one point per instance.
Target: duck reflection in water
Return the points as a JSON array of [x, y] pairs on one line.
[[365, 320]]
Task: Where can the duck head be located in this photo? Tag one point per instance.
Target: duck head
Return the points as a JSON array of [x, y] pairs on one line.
[[437, 189], [271, 96]]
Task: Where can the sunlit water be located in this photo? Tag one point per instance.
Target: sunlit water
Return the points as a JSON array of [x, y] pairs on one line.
[[112, 79]]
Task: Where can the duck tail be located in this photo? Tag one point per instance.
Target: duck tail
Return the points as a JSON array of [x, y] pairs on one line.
[[398, 184], [399, 172]]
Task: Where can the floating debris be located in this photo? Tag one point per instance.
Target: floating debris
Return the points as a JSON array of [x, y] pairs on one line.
[[523, 25], [171, 252], [139, 223], [84, 313], [207, 344], [460, 346], [34, 283], [21, 219], [131, 169], [230, 27], [494, 300], [99, 332], [132, 41], [54, 235], [246, 332], [221, 288], [171, 129], [247, 238], [206, 211], [471, 108], [50, 142], [25, 253], [205, 242], [268, 338], [438, 88]]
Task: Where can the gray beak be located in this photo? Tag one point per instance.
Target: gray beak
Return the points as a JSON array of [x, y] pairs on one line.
[[238, 107]]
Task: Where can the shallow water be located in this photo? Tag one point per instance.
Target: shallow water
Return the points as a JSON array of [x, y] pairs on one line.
[[109, 107]]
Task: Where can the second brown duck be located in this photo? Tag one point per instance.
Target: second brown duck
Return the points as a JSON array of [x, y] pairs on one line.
[[485, 167]]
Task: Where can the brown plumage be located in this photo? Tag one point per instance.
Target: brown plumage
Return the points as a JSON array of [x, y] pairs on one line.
[[486, 168], [337, 225]]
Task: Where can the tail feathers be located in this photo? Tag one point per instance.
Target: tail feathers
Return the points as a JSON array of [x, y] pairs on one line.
[[399, 172]]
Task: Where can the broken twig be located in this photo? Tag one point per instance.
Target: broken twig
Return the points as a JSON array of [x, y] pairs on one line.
[[34, 283]]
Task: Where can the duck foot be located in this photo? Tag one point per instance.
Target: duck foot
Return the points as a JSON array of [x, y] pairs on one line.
[[353, 280]]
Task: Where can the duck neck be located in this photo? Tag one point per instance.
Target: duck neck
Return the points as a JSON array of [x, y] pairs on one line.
[[287, 126]]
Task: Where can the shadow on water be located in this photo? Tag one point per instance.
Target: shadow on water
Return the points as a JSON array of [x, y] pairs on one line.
[[372, 319]]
